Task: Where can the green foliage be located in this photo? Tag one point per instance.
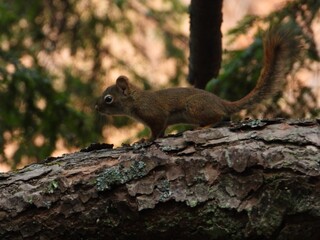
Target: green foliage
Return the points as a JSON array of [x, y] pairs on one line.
[[31, 108], [242, 67], [43, 100], [33, 114]]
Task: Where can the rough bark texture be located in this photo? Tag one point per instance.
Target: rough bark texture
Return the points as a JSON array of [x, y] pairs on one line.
[[205, 41], [257, 180]]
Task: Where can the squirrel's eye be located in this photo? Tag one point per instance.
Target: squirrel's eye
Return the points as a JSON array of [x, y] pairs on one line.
[[108, 99]]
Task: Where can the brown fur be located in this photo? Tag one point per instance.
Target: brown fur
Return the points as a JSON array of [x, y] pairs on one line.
[[158, 109], [279, 47]]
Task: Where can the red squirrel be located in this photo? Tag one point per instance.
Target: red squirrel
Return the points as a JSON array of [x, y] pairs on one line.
[[159, 109]]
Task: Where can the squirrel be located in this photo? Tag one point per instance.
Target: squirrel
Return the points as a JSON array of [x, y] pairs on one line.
[[161, 108]]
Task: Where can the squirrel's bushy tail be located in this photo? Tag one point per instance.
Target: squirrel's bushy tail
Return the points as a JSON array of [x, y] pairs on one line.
[[280, 49]]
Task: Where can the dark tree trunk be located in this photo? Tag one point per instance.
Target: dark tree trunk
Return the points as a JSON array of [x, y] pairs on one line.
[[255, 181], [205, 41]]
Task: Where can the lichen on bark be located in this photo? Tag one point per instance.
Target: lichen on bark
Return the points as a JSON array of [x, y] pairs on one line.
[[218, 183]]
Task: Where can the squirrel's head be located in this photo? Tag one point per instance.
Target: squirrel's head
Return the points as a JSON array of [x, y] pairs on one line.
[[115, 99]]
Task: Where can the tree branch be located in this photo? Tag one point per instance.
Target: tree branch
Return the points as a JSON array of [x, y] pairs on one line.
[[256, 181]]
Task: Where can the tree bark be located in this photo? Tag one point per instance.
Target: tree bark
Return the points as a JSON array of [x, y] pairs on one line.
[[256, 180], [205, 41]]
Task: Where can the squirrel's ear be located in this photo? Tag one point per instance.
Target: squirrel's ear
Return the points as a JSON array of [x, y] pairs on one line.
[[123, 84]]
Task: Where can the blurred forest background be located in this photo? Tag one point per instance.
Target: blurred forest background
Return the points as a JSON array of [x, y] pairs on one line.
[[57, 56]]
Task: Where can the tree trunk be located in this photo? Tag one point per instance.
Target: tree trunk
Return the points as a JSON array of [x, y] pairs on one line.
[[205, 41], [256, 180]]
